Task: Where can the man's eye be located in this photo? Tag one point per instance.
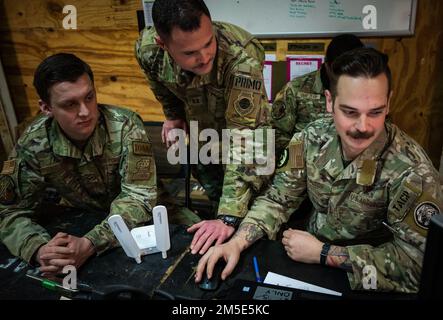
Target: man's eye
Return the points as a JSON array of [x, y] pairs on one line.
[[375, 113], [349, 112]]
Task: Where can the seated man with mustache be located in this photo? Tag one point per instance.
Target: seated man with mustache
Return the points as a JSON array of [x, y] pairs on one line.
[[373, 188], [97, 157]]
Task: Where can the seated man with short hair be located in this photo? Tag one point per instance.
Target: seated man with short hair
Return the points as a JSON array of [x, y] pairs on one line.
[[97, 157]]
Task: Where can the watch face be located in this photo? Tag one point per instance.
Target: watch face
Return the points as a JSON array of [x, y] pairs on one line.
[[230, 220]]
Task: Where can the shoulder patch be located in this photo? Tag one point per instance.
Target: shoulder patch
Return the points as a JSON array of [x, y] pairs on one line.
[[278, 110], [7, 190], [296, 160], [141, 148], [244, 103], [9, 167], [245, 100], [366, 172], [424, 212], [283, 160]]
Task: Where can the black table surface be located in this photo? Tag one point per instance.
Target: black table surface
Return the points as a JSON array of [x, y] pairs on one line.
[[174, 275]]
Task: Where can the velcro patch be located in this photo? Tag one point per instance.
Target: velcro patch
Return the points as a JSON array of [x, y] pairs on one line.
[[141, 148], [402, 202], [139, 169], [423, 213], [278, 110], [7, 190], [244, 103], [246, 83], [284, 157], [9, 167], [366, 173], [296, 159]]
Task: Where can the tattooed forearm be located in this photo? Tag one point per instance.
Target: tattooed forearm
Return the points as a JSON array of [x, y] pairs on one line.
[[339, 257], [251, 232]]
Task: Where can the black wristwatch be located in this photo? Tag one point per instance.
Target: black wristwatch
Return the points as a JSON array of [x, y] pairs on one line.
[[230, 220], [324, 253]]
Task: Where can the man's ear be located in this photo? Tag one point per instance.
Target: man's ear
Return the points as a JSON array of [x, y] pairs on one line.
[[45, 108], [329, 102], [389, 100], [160, 42]]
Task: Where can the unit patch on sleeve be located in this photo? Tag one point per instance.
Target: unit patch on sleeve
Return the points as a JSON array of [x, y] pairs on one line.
[[278, 110], [424, 212]]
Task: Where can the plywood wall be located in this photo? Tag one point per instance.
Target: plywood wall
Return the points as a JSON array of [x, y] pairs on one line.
[[30, 30]]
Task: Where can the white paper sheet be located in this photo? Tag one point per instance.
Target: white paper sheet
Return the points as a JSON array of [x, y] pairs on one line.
[[270, 57], [279, 280]]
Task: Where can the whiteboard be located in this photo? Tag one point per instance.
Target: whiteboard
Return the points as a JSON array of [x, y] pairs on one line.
[[316, 18]]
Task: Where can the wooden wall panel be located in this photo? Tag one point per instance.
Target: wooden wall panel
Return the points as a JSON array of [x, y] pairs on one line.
[[417, 68], [92, 14]]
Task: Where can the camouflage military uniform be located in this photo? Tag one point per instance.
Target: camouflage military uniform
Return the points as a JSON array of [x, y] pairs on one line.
[[392, 182], [115, 173], [300, 102], [231, 96]]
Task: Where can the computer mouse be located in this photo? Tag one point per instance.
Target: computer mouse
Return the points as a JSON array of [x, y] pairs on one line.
[[213, 283]]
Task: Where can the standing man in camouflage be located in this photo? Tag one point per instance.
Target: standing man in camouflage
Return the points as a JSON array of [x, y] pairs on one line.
[[97, 157], [302, 100], [210, 72], [373, 188]]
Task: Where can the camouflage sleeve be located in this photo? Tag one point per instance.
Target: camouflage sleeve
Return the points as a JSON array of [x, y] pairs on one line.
[[285, 194], [246, 116], [138, 185], [396, 265], [20, 192], [284, 116], [173, 107]]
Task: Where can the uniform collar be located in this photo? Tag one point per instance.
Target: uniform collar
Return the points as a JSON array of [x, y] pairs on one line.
[[62, 146], [330, 159], [318, 85]]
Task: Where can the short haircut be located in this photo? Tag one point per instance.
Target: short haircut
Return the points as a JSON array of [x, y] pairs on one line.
[[59, 67], [340, 44], [184, 14], [360, 62]]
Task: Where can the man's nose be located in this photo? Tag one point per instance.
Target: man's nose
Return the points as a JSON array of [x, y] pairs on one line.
[[362, 124], [84, 110], [204, 57]]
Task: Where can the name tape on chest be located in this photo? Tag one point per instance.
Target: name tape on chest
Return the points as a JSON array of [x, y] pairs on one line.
[[242, 82], [141, 148], [310, 96]]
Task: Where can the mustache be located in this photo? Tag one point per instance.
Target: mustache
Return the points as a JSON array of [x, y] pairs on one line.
[[360, 135]]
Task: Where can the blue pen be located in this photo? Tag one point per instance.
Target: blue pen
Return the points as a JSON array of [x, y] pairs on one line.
[[257, 273]]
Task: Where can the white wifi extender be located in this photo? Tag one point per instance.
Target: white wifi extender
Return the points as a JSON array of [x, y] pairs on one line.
[[143, 240]]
